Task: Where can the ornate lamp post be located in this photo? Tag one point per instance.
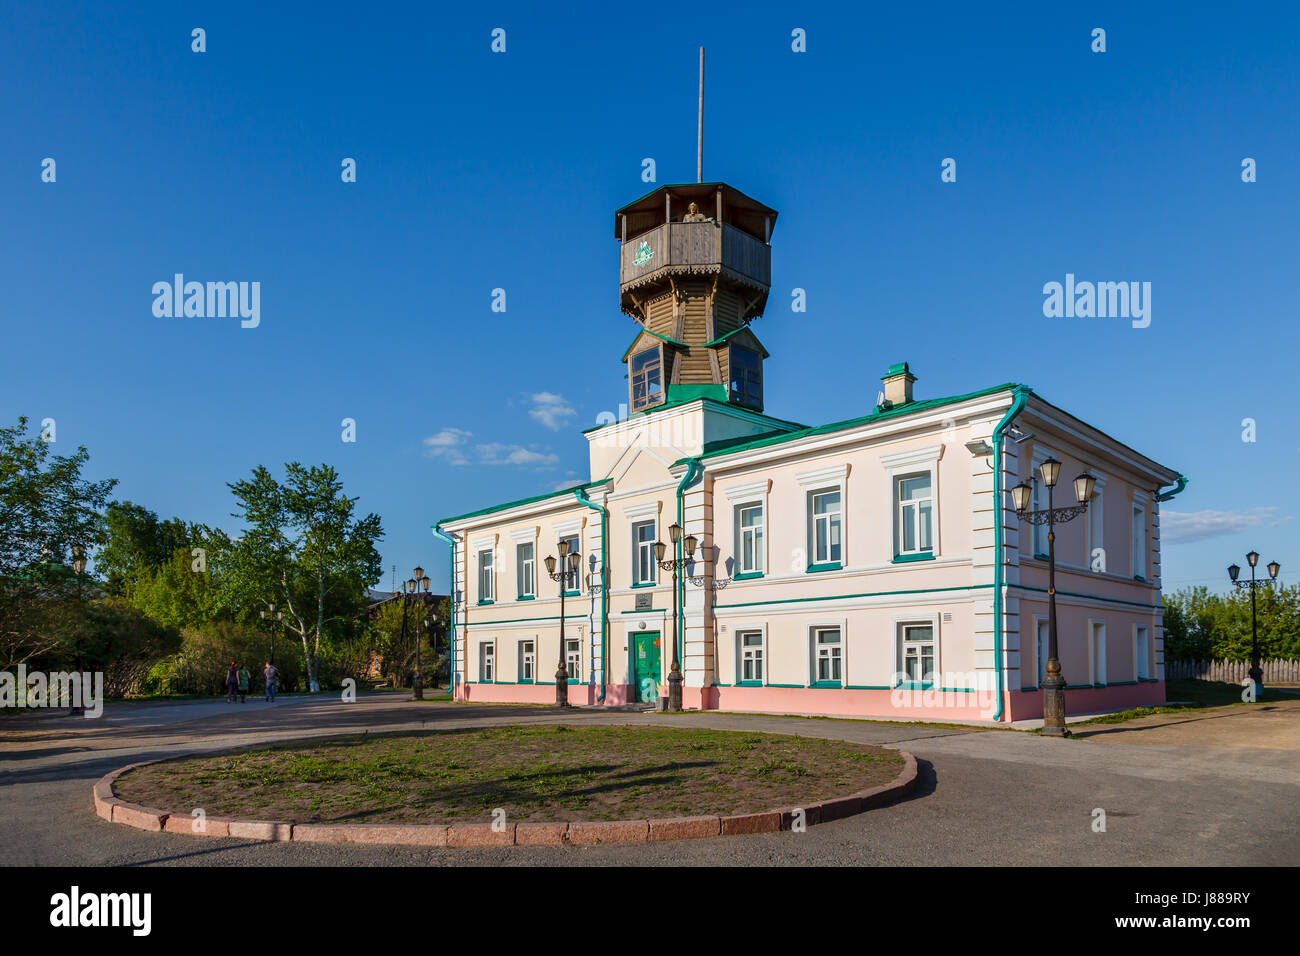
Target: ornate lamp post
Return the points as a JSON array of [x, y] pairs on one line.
[[1256, 672], [79, 568], [271, 616], [1053, 683], [410, 595], [674, 564], [569, 562]]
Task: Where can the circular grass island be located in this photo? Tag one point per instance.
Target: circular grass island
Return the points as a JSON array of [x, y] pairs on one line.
[[551, 773]]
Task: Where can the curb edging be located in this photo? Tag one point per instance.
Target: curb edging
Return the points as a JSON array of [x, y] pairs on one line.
[[109, 807]]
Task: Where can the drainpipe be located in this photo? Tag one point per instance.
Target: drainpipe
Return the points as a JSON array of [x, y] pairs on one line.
[[604, 587], [1022, 393], [1182, 483], [451, 601], [693, 470]]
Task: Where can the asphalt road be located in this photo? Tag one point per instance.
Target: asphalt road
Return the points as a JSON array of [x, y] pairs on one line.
[[1173, 792]]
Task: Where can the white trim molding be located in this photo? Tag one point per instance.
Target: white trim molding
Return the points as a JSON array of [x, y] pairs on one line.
[[919, 459], [823, 477]]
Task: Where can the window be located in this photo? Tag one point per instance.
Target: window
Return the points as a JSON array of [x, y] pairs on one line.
[[643, 554], [487, 662], [1096, 556], [573, 658], [647, 378], [571, 583], [914, 515], [1098, 652], [527, 662], [828, 656], [824, 527], [917, 647], [746, 377], [486, 594], [749, 539], [750, 644], [1044, 645], [526, 570], [1039, 503], [1139, 540], [1142, 650]]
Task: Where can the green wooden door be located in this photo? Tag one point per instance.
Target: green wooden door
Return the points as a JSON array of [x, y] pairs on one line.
[[645, 666]]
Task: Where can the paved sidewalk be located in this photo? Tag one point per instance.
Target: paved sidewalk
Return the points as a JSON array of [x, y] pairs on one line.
[[995, 797]]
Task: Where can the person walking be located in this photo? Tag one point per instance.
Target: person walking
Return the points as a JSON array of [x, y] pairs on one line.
[[232, 682], [244, 678], [272, 677]]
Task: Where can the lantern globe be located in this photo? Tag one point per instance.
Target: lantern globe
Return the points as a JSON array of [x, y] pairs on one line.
[[1233, 571], [1050, 470], [1083, 486], [1273, 569], [660, 548], [691, 543], [563, 547], [1253, 558], [419, 572], [575, 559], [550, 564], [1020, 496], [674, 532]]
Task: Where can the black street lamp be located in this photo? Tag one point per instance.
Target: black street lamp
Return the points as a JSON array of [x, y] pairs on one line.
[[674, 564], [1256, 672], [1053, 683], [79, 568], [271, 616], [410, 594], [569, 562]]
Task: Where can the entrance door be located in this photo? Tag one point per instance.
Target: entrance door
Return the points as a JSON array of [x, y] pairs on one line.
[[645, 665]]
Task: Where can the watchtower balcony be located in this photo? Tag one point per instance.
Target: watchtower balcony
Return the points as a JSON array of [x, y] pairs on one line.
[[694, 248]]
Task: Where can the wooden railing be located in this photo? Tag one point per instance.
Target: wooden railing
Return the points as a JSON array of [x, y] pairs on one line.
[[695, 245]]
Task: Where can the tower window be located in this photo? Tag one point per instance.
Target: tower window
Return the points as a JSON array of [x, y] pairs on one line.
[[647, 379], [746, 377]]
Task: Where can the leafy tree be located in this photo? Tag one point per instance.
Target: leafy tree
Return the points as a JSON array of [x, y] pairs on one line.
[[47, 509], [304, 549], [1199, 625], [138, 543]]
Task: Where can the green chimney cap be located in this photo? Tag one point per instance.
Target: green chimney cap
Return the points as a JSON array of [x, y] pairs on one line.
[[898, 368]]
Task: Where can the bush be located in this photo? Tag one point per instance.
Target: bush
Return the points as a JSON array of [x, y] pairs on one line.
[[200, 666]]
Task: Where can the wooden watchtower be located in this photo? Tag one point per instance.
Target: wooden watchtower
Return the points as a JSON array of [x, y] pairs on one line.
[[694, 270]]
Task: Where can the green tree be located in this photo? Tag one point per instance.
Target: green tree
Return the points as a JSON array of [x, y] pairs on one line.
[[1199, 625], [138, 543], [47, 509], [305, 549]]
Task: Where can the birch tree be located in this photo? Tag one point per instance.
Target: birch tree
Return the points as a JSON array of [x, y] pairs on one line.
[[305, 550]]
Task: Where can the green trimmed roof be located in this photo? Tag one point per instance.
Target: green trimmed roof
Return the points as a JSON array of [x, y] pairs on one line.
[[732, 445], [523, 501], [744, 328], [645, 331], [685, 394]]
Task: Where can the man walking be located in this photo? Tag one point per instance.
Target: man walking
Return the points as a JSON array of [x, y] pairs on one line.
[[272, 676]]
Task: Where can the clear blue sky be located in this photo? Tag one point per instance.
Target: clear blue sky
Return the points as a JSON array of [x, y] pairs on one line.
[[479, 170]]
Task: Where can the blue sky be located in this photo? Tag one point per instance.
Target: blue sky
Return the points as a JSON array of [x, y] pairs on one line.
[[478, 171]]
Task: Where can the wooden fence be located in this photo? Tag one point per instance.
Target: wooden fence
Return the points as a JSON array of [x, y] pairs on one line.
[[1277, 671]]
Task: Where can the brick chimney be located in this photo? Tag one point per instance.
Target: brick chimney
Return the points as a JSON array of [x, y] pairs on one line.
[[898, 385]]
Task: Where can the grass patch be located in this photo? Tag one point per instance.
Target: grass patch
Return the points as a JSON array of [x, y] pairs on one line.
[[1199, 694], [540, 773]]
